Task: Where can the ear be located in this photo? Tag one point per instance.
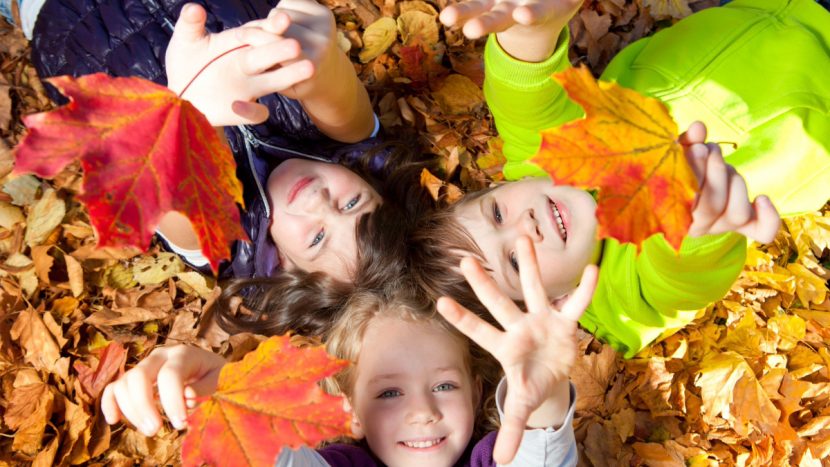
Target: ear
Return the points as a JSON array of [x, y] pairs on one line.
[[357, 428]]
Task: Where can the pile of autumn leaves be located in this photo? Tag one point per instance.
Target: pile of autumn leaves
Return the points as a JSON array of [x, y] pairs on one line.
[[746, 384]]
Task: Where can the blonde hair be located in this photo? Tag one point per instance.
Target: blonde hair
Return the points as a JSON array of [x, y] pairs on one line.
[[345, 338]]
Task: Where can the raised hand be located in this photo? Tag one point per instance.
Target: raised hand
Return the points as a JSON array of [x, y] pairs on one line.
[[536, 349], [528, 29], [226, 90], [181, 373], [723, 204]]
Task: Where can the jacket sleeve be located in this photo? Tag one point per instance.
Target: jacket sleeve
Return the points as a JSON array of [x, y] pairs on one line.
[[543, 447], [525, 100], [641, 297]]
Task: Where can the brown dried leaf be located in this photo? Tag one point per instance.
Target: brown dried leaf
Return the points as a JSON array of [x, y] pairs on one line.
[[46, 214], [28, 412], [458, 95], [39, 346]]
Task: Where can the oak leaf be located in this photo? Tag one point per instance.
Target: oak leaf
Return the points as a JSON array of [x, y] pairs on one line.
[[627, 146], [144, 152], [267, 401]]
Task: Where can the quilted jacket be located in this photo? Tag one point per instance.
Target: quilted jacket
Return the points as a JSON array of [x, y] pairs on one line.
[[129, 38]]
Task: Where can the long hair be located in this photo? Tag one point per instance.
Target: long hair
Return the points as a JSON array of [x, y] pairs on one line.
[[307, 303], [406, 302]]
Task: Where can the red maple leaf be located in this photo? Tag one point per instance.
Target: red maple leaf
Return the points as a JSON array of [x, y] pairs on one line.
[[627, 146], [144, 152], [267, 401], [110, 364]]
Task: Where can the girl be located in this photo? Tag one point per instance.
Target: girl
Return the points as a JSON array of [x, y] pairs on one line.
[[781, 127], [295, 198], [306, 205], [416, 382]]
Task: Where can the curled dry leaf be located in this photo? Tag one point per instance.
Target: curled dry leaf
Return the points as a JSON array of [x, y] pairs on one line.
[[377, 38], [46, 214], [458, 95], [418, 27], [661, 9]]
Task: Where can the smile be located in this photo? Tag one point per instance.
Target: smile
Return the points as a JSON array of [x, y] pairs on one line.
[[558, 219], [298, 187], [423, 444]]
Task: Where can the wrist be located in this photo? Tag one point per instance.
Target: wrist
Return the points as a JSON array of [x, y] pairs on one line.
[[552, 412]]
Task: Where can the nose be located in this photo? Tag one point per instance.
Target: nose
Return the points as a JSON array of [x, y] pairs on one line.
[[319, 202], [528, 225], [423, 410]]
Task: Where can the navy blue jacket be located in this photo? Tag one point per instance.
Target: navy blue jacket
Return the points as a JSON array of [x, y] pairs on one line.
[[129, 38]]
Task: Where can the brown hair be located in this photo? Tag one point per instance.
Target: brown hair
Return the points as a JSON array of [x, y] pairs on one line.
[[407, 302], [307, 303]]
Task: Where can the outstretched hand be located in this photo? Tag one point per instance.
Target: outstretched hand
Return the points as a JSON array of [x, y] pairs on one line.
[[226, 90], [536, 349], [181, 373], [528, 29], [723, 205]]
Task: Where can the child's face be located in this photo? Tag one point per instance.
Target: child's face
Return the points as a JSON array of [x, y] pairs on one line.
[[414, 397], [315, 210], [559, 219]]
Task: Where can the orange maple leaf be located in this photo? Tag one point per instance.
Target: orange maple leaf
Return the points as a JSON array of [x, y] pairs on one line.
[[144, 152], [627, 147], [267, 401]]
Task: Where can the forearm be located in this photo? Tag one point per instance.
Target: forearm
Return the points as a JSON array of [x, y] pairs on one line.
[[536, 42], [341, 110], [553, 411]]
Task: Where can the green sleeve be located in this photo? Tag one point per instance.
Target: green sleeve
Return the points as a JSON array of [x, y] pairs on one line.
[[524, 100], [639, 297]]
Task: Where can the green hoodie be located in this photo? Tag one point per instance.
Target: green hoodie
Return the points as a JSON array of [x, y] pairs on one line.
[[758, 74]]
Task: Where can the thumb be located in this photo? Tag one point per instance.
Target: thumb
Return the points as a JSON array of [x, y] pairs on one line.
[[190, 26], [251, 112]]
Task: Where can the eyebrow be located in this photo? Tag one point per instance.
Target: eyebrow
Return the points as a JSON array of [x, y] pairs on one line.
[[386, 376]]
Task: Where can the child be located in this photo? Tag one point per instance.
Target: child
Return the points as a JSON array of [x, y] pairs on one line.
[[314, 205], [692, 66], [416, 382]]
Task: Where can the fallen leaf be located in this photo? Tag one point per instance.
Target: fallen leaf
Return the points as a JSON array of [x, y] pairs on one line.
[[144, 152], [660, 9], [591, 375], [377, 38], [28, 412], [457, 95], [149, 270], [417, 26], [195, 282], [265, 402], [10, 215], [417, 5], [432, 183], [627, 147], [22, 189], [41, 350], [46, 214], [127, 315], [76, 275], [110, 364]]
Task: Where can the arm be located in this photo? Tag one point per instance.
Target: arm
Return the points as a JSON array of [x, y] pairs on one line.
[[292, 51], [536, 350], [640, 297], [518, 64]]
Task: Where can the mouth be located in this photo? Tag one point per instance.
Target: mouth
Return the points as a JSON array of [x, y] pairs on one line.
[[559, 217], [298, 187], [424, 444]]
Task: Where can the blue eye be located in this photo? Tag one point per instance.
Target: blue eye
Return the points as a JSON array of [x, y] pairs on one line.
[[497, 213], [351, 204], [389, 393], [513, 261], [444, 387], [318, 238]]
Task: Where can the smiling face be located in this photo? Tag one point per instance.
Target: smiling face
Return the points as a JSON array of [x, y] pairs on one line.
[[559, 219], [316, 207], [414, 397]]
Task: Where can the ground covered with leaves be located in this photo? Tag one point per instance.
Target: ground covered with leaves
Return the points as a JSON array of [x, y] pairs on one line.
[[746, 384]]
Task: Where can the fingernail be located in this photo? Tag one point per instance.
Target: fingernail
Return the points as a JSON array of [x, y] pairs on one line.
[[148, 427], [178, 423]]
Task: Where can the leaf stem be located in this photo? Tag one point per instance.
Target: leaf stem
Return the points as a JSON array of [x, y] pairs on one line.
[[207, 65]]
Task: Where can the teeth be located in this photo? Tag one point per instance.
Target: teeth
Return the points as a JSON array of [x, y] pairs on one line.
[[422, 444], [559, 221]]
